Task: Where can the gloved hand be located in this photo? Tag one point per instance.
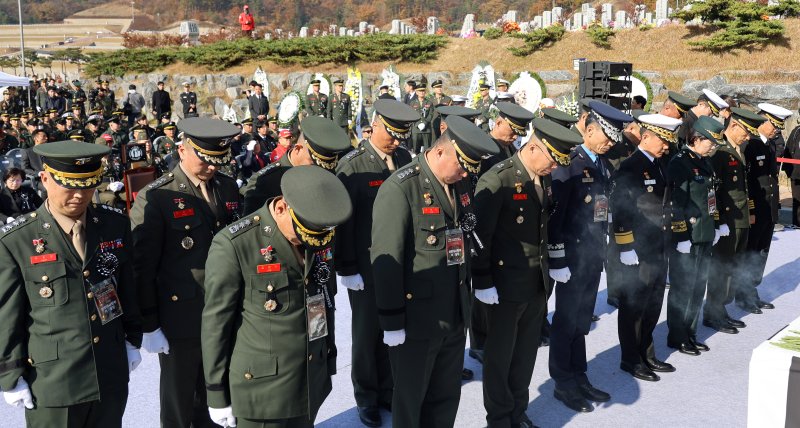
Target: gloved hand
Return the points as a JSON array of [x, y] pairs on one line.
[[609, 220], [20, 395], [349, 122], [629, 258], [724, 230], [239, 183], [9, 220], [116, 186], [716, 237], [488, 296], [394, 337], [421, 126], [251, 145], [684, 247], [155, 342], [134, 357], [560, 275], [222, 417], [351, 282]]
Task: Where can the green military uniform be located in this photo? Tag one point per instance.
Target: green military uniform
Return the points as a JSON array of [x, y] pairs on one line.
[[70, 351], [421, 134], [363, 171], [438, 101], [173, 225], [268, 315], [684, 105], [513, 204], [316, 104], [324, 142], [422, 300], [483, 105], [339, 108]]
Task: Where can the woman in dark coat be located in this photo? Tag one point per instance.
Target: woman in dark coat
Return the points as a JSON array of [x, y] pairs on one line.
[[16, 200]]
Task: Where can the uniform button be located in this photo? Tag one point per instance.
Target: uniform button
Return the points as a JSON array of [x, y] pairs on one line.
[[409, 296], [664, 227], [30, 361], [309, 357], [270, 288], [96, 339], [256, 218], [174, 298], [89, 295], [248, 376], [93, 317], [500, 263], [577, 241], [45, 278], [306, 281], [187, 227], [86, 273]]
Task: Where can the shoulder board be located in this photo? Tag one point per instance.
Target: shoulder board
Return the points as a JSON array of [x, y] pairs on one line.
[[404, 174], [109, 208], [164, 179], [353, 154], [246, 223], [269, 168], [504, 164], [15, 225]]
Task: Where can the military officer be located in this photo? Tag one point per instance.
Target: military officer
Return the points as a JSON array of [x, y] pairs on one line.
[[676, 106], [267, 310], [421, 134], [459, 100], [701, 108], [174, 219], [792, 151], [693, 199], [119, 137], [577, 233], [339, 106], [166, 143], [92, 129], [640, 204], [362, 172], [316, 102], [72, 323], [502, 85], [188, 101], [762, 184], [559, 117], [438, 99], [421, 227], [509, 274], [715, 103], [320, 144], [483, 105], [728, 272]]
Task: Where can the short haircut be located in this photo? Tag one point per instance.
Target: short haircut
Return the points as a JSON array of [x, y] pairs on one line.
[[640, 100], [12, 172]]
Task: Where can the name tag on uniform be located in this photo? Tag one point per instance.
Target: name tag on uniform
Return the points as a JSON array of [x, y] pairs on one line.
[[431, 210], [268, 268], [454, 246], [35, 260], [600, 208], [183, 213], [106, 300], [520, 197], [587, 180], [375, 183], [762, 157], [317, 317], [712, 202], [649, 182]]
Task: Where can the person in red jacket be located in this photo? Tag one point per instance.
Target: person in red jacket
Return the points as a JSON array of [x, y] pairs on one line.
[[284, 144], [247, 22]]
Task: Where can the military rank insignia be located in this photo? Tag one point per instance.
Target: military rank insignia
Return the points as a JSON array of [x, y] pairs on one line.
[[38, 245], [427, 198], [464, 200], [518, 186], [267, 253], [180, 203]]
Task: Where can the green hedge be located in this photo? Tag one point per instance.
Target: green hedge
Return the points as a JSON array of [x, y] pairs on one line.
[[298, 51]]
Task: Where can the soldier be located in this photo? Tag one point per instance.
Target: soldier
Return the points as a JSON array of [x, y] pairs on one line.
[[119, 138], [268, 313], [792, 151], [509, 274], [92, 129], [421, 131], [728, 272], [316, 102], [362, 172], [79, 96], [188, 101], [166, 143], [640, 203], [483, 105], [69, 304], [422, 222], [502, 85], [700, 109], [174, 219], [715, 103], [695, 219], [384, 93], [676, 106], [339, 106], [459, 100], [577, 233], [438, 99], [762, 184]]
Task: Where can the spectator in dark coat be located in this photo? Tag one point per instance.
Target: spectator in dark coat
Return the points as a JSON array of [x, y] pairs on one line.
[[259, 104], [162, 103], [16, 200]]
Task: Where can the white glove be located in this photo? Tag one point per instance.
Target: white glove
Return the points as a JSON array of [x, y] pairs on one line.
[[724, 230], [684, 247], [609, 220], [239, 182], [349, 122], [716, 237], [251, 145], [560, 275], [351, 282], [155, 342], [421, 126], [394, 337], [222, 417], [488, 296], [116, 186], [629, 258], [9, 220], [20, 395], [134, 357]]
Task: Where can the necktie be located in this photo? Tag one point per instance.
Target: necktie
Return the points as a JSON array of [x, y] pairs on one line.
[[537, 184], [450, 197], [389, 162], [207, 196], [78, 240]]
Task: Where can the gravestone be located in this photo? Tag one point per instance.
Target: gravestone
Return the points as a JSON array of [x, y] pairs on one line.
[[511, 16], [433, 25], [342, 31], [395, 27], [547, 19], [362, 27], [468, 26], [537, 21], [620, 19], [303, 32], [558, 14]]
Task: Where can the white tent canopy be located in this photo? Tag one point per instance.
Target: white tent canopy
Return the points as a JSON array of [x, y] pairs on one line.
[[11, 80]]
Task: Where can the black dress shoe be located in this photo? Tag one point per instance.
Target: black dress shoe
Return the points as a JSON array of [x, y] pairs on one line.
[[765, 305], [525, 422], [573, 400], [685, 348], [370, 416], [595, 318], [659, 366], [735, 323], [466, 374], [752, 308], [699, 345], [640, 371], [593, 394], [613, 301], [720, 326], [476, 354]]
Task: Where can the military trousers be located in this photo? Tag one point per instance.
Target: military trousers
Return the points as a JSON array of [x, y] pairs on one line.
[[107, 413], [297, 422], [478, 325], [614, 280], [427, 380], [688, 274], [795, 182], [727, 271], [371, 372], [182, 388], [572, 319], [640, 306], [759, 239], [509, 358], [421, 141]]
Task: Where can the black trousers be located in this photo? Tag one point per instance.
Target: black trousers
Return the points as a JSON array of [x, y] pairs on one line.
[[759, 240], [688, 274], [727, 271], [427, 380], [614, 268], [572, 320], [182, 387], [298, 422], [796, 201], [107, 413], [509, 358], [478, 326], [640, 307], [371, 372]]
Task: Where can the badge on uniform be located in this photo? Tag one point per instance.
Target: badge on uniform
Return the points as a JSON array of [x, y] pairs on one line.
[[377, 183], [107, 263], [231, 206], [317, 317], [735, 178], [106, 300], [454, 246], [46, 292], [269, 268], [183, 213], [427, 198], [520, 219], [43, 258], [712, 201], [518, 185], [267, 253], [431, 210], [649, 188], [600, 208], [464, 200], [180, 203], [431, 240], [587, 199], [187, 243], [38, 245]]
